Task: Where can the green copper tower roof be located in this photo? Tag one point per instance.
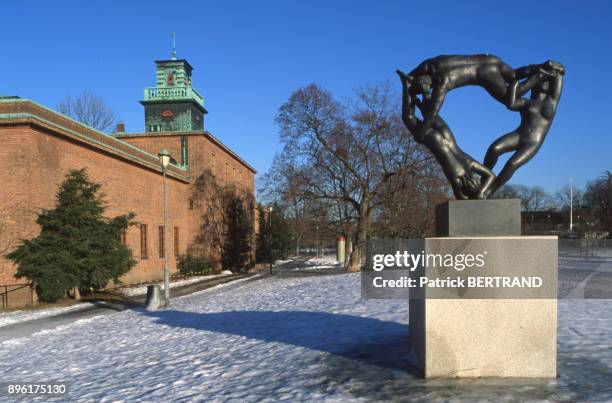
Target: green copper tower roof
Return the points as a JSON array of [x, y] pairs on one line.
[[173, 83], [173, 104]]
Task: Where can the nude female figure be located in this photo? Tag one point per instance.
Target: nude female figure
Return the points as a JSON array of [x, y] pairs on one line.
[[537, 114], [468, 178]]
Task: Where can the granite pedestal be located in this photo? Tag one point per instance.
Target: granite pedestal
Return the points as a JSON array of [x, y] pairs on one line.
[[492, 332]]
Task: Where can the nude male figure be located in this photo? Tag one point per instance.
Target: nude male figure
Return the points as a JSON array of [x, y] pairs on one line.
[[435, 77], [468, 178]]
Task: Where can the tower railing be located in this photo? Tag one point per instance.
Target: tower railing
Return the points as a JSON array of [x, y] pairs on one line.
[[172, 93]]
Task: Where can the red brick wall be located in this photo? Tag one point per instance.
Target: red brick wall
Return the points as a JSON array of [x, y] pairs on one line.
[[44, 160], [35, 156], [154, 145], [201, 149]]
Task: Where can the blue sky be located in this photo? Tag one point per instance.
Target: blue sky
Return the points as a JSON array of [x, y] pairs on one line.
[[249, 56]]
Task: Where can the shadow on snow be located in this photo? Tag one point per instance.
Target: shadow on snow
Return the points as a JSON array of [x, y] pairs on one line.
[[373, 341], [374, 357]]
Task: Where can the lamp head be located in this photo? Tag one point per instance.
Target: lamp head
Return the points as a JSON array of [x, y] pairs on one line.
[[164, 158]]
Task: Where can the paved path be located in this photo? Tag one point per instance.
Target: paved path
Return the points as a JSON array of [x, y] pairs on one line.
[[290, 266], [105, 303]]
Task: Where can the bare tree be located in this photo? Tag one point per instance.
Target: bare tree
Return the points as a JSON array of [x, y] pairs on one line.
[[89, 109], [598, 198], [533, 198], [210, 198], [352, 155], [275, 188], [8, 238], [565, 196], [409, 211]]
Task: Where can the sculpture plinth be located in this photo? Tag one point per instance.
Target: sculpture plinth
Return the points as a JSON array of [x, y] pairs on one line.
[[495, 332], [479, 218]]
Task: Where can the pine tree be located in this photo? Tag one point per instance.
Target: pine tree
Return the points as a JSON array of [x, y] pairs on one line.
[[283, 241], [274, 239], [236, 253], [77, 246]]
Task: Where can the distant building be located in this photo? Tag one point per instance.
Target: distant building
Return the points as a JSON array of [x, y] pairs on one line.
[[542, 222], [39, 146]]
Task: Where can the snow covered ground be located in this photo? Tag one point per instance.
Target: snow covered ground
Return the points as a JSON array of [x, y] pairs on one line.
[[286, 339]]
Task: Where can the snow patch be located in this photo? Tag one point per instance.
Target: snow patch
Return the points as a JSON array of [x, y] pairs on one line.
[[10, 318], [323, 261]]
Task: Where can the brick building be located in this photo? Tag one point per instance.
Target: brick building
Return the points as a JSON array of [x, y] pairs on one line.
[[39, 146]]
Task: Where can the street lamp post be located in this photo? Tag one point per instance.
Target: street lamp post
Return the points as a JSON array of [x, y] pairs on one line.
[[571, 227], [318, 240], [270, 237], [164, 159]]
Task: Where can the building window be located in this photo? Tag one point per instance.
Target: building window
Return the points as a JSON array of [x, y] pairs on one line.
[[184, 151], [176, 241], [143, 241], [213, 164], [226, 171], [123, 237], [161, 241], [190, 204]]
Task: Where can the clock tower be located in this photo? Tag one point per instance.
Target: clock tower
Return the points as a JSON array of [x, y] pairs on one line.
[[173, 105]]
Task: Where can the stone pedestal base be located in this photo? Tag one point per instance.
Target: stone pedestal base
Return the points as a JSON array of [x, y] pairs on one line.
[[492, 332], [485, 337]]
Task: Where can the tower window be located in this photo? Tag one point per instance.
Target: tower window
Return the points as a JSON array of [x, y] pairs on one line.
[[184, 151]]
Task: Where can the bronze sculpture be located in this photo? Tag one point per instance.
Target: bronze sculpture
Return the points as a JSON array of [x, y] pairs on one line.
[[426, 86], [461, 170]]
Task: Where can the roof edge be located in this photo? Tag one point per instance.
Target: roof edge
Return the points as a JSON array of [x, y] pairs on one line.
[[177, 171], [189, 133]]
